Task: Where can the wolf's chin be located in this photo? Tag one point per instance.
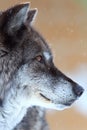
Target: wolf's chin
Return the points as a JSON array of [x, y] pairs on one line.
[[61, 107]]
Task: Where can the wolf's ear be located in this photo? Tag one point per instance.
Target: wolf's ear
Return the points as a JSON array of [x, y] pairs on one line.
[[19, 18], [13, 18], [31, 16]]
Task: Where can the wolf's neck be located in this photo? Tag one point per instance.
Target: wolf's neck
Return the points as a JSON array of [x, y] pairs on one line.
[[13, 110]]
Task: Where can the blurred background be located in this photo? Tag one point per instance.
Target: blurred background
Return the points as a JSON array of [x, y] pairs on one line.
[[63, 23]]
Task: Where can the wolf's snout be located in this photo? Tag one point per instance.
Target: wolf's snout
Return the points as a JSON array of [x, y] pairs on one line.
[[78, 90]]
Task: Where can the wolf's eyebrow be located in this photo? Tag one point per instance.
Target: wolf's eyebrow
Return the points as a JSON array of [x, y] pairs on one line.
[[47, 55]]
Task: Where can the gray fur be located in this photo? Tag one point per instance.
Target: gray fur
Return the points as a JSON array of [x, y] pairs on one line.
[[28, 76], [34, 120]]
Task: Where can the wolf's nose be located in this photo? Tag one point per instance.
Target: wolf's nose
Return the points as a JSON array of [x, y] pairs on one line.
[[78, 90]]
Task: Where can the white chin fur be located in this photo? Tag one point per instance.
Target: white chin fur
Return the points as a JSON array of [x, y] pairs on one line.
[[58, 107], [61, 107]]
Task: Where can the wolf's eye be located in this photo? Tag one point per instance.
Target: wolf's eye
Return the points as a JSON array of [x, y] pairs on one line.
[[39, 58]]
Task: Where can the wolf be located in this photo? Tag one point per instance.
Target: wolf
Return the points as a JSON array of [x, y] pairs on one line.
[[28, 76]]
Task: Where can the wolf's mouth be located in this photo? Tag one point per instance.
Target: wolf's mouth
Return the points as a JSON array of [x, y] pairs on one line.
[[69, 103], [44, 97]]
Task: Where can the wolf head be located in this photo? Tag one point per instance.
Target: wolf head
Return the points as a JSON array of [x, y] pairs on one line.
[[26, 59]]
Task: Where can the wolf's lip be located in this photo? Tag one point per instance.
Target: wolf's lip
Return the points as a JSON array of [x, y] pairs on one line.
[[69, 103], [44, 97]]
